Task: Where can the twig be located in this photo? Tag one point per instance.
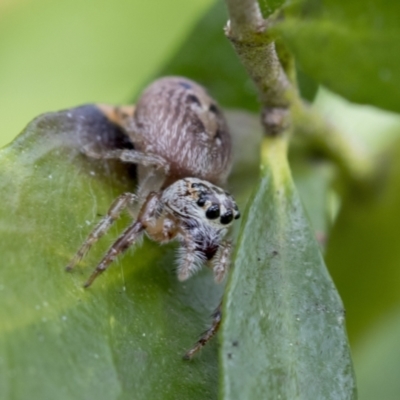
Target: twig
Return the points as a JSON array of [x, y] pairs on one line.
[[246, 17], [247, 30], [283, 109]]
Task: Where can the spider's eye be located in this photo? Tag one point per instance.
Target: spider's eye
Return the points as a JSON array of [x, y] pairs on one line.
[[227, 218], [186, 85], [198, 185], [213, 212], [237, 216], [213, 108], [201, 201]]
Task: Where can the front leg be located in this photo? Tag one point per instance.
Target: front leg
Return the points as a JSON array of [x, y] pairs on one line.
[[207, 335], [129, 236], [122, 202]]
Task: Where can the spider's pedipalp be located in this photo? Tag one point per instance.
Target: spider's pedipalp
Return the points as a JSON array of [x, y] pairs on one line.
[[190, 259], [221, 261]]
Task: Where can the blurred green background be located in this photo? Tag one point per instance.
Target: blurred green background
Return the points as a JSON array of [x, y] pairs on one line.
[[58, 54]]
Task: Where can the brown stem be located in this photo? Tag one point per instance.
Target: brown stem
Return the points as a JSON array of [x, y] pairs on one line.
[[247, 30]]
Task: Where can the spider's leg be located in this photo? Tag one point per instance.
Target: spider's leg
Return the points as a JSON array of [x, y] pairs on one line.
[[207, 335], [129, 156], [128, 237], [222, 260], [119, 204], [151, 180]]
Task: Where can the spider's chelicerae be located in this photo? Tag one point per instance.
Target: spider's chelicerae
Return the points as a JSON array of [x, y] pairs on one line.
[[182, 148]]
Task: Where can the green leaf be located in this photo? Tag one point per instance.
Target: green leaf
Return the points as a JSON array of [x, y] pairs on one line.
[[125, 336], [349, 46], [307, 86], [313, 180], [283, 334], [268, 7], [362, 253]]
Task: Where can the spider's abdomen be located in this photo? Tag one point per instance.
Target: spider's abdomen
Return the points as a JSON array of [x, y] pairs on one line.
[[176, 119]]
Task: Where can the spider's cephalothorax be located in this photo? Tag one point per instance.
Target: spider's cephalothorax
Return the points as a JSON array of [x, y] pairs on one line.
[[202, 212], [182, 148]]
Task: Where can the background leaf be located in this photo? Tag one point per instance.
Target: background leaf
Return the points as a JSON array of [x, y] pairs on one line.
[[362, 254], [58, 54], [207, 57], [361, 251], [378, 359], [351, 47], [269, 6]]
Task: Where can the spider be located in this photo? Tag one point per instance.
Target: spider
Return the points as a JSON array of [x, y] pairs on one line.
[[182, 149]]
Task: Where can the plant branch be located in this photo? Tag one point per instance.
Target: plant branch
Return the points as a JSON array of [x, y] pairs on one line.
[[283, 109], [245, 16], [247, 30]]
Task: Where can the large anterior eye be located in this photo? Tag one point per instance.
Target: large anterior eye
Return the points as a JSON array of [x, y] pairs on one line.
[[213, 211], [227, 217]]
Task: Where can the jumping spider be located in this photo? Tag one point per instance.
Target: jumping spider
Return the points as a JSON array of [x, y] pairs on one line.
[[182, 148]]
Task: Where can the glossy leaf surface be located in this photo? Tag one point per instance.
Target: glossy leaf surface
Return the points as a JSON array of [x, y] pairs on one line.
[[283, 335]]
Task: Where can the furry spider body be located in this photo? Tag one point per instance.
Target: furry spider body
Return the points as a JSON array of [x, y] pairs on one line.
[[179, 122]]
